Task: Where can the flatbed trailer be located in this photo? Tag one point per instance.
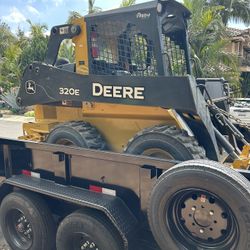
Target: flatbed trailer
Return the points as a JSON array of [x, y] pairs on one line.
[[48, 188]]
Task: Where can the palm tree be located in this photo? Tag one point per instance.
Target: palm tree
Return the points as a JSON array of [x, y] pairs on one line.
[[10, 72], [237, 10], [67, 51], [73, 15], [208, 39], [22, 40], [126, 3], [36, 46], [6, 37], [37, 29], [92, 8]]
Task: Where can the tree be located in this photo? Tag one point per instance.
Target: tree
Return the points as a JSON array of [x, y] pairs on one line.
[[92, 7], [22, 40], [126, 3], [37, 30], [67, 51], [19, 51], [208, 39], [6, 37], [237, 10], [9, 58], [73, 15], [36, 47], [10, 71]]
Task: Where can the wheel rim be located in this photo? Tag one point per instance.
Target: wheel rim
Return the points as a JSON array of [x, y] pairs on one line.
[[200, 219], [19, 229], [158, 153], [82, 241]]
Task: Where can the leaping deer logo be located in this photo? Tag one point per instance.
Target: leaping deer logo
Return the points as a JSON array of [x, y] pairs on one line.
[[30, 87]]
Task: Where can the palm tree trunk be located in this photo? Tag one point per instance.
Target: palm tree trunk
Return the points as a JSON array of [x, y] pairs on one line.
[[91, 6]]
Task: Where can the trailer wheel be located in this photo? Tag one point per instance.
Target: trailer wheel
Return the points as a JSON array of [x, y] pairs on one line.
[[26, 222], [167, 142], [200, 205], [87, 230], [77, 133]]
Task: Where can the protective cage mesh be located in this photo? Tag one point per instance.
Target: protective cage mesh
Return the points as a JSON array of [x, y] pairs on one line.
[[176, 57], [118, 48]]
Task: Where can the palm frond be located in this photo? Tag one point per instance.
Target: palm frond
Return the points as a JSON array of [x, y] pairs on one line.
[[126, 3]]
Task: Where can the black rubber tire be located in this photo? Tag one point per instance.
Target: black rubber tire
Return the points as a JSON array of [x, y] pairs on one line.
[[170, 139], [37, 213], [226, 183], [79, 133], [92, 224]]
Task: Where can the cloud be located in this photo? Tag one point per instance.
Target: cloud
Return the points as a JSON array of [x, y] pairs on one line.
[[33, 10], [27, 33], [15, 16], [57, 2], [47, 33]]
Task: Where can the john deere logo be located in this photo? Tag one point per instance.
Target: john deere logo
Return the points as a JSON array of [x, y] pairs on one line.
[[30, 87]]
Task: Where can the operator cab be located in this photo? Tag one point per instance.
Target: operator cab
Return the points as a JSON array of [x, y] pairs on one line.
[[148, 39]]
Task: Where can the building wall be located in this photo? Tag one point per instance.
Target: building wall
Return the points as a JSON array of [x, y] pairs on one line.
[[240, 46]]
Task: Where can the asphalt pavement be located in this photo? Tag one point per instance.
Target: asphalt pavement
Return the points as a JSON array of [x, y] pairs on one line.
[[11, 125]]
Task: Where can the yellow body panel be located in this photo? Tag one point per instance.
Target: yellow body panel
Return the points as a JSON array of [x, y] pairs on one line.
[[81, 48], [244, 159], [117, 123]]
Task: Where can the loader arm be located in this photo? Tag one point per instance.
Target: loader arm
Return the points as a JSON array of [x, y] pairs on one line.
[[45, 84], [57, 35]]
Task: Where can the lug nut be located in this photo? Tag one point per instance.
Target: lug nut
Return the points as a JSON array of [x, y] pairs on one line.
[[201, 231], [211, 212], [193, 208]]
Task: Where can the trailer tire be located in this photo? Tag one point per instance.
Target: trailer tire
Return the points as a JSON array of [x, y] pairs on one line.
[[22, 211], [77, 133], [89, 228], [167, 142], [200, 205]]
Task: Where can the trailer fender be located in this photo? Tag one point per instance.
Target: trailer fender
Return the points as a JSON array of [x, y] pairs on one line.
[[112, 206]]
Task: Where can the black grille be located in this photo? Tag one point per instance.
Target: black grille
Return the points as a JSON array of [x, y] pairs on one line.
[[175, 57], [121, 49]]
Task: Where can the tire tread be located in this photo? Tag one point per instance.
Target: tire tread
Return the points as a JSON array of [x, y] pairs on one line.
[[189, 142], [90, 134]]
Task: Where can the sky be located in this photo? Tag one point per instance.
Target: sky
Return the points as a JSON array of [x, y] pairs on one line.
[[52, 12]]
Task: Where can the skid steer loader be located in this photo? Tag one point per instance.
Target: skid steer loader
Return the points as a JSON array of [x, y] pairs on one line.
[[131, 89]]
